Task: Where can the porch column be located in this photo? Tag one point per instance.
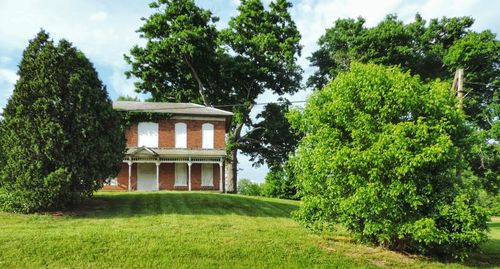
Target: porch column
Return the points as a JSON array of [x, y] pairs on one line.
[[220, 177], [129, 174], [189, 175], [158, 175]]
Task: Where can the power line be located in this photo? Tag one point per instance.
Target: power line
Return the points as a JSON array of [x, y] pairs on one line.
[[214, 106], [259, 104], [476, 83]]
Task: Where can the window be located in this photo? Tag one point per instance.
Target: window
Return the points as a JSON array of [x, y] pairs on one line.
[[207, 138], [148, 134], [207, 174], [112, 181], [180, 135], [180, 174]]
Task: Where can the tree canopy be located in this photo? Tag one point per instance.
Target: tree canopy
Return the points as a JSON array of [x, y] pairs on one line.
[[271, 139], [432, 50], [380, 154], [186, 58], [60, 134]]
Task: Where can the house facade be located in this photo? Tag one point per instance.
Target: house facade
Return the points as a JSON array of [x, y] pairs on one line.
[[182, 149]]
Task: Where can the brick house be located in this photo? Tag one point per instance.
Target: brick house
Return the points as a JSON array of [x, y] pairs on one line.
[[182, 151]]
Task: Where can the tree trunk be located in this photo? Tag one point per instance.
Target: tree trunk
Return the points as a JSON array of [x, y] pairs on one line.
[[232, 164], [232, 172]]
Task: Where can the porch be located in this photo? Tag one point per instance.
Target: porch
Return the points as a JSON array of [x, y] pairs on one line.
[[172, 169]]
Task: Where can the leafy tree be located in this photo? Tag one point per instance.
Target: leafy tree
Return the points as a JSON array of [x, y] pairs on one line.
[[380, 155], [280, 183], [60, 134], [247, 187], [128, 98], [431, 50], [186, 58], [271, 140]]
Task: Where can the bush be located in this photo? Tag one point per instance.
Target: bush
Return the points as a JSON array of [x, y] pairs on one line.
[[247, 187], [381, 153], [279, 184], [60, 134]]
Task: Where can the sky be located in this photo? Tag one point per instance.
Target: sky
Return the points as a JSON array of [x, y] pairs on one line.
[[105, 30]]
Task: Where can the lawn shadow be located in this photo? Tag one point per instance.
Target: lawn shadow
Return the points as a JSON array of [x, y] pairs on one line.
[[124, 205]]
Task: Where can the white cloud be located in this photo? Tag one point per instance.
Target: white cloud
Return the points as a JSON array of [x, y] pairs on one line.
[[5, 60], [121, 84], [7, 80], [99, 16], [8, 76]]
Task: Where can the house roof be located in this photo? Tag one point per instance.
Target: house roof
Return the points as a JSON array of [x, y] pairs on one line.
[[173, 108]]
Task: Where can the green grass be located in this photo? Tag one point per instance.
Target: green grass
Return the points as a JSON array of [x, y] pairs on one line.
[[192, 230]]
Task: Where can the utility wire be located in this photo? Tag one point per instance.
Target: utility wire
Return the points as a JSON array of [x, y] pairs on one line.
[[190, 106]]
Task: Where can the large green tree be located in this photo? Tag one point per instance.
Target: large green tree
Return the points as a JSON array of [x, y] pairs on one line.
[[186, 58], [380, 155], [432, 50], [60, 134]]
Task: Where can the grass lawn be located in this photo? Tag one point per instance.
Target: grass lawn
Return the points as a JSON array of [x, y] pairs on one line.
[[193, 230]]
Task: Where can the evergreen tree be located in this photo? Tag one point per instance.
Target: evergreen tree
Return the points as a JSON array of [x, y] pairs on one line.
[[60, 135]]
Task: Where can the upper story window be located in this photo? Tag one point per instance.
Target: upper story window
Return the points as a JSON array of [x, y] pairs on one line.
[[147, 134], [207, 136], [180, 135]]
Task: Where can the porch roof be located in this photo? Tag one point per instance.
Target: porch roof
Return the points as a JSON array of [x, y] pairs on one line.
[[175, 152]]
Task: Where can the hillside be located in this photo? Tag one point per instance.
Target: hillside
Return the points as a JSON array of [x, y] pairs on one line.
[[190, 230]]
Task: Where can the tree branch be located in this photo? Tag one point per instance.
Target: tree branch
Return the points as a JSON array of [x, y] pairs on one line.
[[201, 88]]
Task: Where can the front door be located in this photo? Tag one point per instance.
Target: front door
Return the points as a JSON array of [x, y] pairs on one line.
[[146, 177]]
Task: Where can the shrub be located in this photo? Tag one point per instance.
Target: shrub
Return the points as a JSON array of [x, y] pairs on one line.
[[247, 187], [381, 153], [279, 184]]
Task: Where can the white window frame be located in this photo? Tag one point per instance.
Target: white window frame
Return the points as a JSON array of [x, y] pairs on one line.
[[207, 175], [112, 181], [180, 167], [207, 136], [147, 134], [180, 135]]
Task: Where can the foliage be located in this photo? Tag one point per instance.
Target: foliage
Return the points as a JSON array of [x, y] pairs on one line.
[[490, 202], [128, 98], [271, 140], [280, 183], [2, 151], [187, 59], [431, 50], [129, 117], [61, 136], [380, 155], [248, 187]]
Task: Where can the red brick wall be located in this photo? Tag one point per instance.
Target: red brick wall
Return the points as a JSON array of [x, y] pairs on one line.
[[167, 176], [219, 134], [166, 134], [131, 135], [196, 176], [194, 134], [123, 177]]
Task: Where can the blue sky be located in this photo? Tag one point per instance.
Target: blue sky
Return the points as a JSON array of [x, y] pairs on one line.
[[105, 30]]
